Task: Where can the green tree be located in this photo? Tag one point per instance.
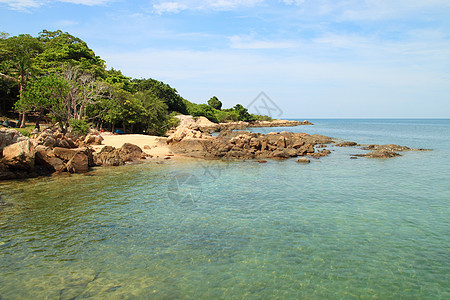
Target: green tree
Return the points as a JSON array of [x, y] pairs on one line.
[[67, 96], [47, 93], [125, 110], [163, 92], [61, 49], [215, 103], [156, 120], [16, 62], [243, 113], [205, 111], [118, 80]]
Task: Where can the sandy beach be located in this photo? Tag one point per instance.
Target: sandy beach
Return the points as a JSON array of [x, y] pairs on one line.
[[155, 146]]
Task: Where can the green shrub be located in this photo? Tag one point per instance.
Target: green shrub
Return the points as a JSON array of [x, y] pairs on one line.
[[79, 126]]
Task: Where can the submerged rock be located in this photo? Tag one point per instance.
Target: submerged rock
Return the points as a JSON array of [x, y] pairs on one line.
[[386, 151], [347, 144], [303, 160], [383, 153]]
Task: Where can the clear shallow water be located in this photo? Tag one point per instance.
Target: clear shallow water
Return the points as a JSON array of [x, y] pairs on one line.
[[336, 228]]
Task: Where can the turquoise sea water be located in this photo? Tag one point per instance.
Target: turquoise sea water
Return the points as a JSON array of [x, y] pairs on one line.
[[334, 229]]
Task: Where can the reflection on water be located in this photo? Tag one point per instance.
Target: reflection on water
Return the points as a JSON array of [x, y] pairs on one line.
[[337, 228]]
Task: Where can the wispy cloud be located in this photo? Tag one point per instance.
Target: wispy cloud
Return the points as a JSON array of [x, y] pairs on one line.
[[221, 5], [24, 5]]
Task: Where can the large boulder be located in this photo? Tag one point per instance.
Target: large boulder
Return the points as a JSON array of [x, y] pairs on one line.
[[46, 158], [131, 152], [108, 157], [79, 163], [9, 137], [20, 155], [76, 163], [93, 139]]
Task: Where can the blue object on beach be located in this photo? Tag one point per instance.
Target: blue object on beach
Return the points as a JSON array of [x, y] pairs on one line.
[[118, 131]]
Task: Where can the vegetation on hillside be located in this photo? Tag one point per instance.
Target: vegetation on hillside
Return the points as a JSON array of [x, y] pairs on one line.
[[58, 77]]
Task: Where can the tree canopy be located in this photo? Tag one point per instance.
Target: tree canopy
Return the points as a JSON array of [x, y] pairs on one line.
[[215, 103]]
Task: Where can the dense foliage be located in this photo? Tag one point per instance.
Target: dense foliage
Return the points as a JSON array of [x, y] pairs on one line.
[[57, 76]]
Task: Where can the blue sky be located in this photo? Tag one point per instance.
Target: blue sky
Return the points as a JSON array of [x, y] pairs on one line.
[[314, 59]]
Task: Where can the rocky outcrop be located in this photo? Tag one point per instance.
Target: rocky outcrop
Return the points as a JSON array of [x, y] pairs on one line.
[[383, 153], [9, 137], [110, 156], [204, 125], [185, 132], [51, 151], [46, 158], [386, 151], [248, 145], [55, 138]]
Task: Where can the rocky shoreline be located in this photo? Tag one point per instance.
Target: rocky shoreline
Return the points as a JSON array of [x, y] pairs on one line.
[[53, 151]]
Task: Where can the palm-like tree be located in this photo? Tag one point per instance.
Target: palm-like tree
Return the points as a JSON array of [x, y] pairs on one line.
[[16, 61]]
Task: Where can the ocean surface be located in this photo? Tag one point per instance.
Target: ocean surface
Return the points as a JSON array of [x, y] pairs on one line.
[[337, 228]]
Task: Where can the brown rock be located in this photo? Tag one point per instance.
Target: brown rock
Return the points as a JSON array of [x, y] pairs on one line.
[[292, 152], [280, 153], [347, 144], [108, 156], [93, 139], [6, 173], [303, 160], [9, 137], [383, 153], [65, 153], [130, 152], [79, 163], [20, 155]]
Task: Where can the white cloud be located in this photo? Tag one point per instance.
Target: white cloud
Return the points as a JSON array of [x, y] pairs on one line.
[[169, 7], [221, 5], [24, 5], [292, 2], [87, 2]]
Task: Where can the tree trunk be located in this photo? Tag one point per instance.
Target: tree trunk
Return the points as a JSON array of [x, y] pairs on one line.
[[24, 119]]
